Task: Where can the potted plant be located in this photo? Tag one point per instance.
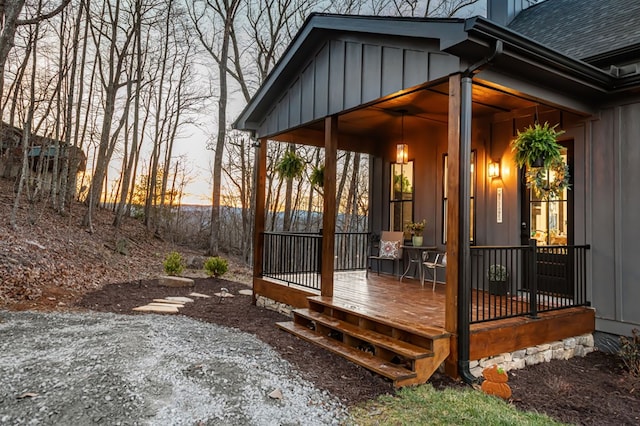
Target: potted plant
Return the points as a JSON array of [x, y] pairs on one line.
[[498, 280], [537, 146], [416, 229]]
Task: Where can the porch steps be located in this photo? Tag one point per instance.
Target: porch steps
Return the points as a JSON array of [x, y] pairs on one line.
[[405, 353], [364, 359]]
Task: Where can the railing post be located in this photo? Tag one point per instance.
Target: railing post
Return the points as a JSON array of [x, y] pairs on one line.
[[533, 278], [318, 249]]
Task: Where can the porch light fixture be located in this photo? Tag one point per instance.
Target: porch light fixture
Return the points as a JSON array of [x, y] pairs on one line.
[[493, 170], [402, 153], [402, 149]]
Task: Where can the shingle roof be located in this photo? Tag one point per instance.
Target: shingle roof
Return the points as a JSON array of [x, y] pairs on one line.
[[581, 28]]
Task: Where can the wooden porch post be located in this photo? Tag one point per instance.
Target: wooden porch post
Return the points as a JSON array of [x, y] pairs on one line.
[[453, 222], [329, 210], [458, 222], [259, 219]]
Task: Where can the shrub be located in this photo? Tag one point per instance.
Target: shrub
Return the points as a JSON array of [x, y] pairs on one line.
[[173, 264], [630, 352], [216, 266], [497, 273]]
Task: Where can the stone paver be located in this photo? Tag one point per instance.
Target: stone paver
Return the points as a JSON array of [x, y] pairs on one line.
[[179, 299], [157, 309], [204, 296], [169, 281]]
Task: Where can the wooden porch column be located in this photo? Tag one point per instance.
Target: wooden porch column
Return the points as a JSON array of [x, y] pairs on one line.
[[259, 219], [458, 222], [453, 223], [329, 209]]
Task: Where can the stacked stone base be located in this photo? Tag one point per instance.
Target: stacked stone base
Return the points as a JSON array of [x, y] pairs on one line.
[[561, 349], [281, 308]]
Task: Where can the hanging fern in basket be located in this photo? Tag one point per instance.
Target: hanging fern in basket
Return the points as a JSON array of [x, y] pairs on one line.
[[317, 176], [535, 143], [290, 166]]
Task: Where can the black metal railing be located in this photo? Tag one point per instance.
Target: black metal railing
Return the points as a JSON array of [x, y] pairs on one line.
[[296, 258], [351, 251], [293, 258], [510, 281]]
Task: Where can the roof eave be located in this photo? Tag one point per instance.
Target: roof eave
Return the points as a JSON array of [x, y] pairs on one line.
[[480, 28]]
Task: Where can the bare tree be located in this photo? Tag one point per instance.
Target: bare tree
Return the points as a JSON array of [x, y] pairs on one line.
[[111, 70], [10, 19]]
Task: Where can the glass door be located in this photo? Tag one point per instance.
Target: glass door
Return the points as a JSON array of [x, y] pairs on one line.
[[549, 221]]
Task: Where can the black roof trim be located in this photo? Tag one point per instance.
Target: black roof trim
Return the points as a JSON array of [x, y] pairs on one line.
[[514, 41]]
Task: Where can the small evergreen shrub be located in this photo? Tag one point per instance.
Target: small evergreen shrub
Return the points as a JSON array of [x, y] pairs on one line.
[[173, 264], [216, 266], [630, 352]]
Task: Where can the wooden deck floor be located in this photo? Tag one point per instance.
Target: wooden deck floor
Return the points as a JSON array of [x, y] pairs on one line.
[[386, 296]]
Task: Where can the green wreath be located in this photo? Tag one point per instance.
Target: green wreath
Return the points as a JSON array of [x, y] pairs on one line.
[[545, 188]]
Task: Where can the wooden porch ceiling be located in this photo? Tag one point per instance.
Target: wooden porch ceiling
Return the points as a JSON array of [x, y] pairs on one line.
[[381, 121]]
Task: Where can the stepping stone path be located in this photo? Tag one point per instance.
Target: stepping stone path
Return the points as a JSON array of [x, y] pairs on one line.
[[171, 304], [168, 305]]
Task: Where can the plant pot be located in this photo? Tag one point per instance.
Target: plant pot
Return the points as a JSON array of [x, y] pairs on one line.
[[498, 288], [417, 241], [539, 162]]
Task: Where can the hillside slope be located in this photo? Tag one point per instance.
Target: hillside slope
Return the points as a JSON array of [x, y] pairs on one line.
[[54, 260]]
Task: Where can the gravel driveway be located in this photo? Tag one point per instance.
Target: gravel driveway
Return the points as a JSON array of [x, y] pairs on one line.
[[89, 368]]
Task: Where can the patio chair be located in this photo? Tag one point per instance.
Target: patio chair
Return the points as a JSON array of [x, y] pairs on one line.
[[389, 249], [432, 262]]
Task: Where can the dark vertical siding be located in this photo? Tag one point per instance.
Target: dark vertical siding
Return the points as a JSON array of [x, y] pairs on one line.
[[391, 69], [321, 92], [336, 76], [295, 103], [352, 74], [371, 72], [416, 68], [283, 112], [307, 94], [440, 65], [629, 128]]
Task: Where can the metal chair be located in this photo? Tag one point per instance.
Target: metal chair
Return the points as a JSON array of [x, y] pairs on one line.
[[388, 239], [433, 263]]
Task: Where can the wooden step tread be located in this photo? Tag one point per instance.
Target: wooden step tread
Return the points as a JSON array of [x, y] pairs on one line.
[[400, 347], [364, 359], [418, 329]]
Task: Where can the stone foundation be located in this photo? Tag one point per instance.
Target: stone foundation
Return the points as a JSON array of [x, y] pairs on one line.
[[281, 308], [561, 349]]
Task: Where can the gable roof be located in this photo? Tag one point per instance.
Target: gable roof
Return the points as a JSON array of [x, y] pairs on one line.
[[466, 42], [582, 29]]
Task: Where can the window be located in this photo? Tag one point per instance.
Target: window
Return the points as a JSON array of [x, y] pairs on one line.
[[472, 195], [401, 198], [549, 217]]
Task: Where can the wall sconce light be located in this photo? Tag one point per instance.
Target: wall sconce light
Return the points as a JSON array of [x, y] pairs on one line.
[[402, 149], [402, 153], [493, 169]]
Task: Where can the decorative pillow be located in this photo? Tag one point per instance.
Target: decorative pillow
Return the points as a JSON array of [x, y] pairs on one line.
[[389, 249]]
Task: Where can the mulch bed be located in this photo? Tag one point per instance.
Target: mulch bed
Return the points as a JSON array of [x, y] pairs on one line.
[[592, 390]]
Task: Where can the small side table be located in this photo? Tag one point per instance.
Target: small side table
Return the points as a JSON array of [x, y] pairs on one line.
[[414, 255]]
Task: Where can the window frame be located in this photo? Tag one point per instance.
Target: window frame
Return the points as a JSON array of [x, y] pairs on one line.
[[406, 215]]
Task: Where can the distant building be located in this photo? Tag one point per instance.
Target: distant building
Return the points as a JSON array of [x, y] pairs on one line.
[[41, 154]]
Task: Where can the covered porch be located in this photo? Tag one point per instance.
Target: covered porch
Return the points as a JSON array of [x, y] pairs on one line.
[[444, 96]]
